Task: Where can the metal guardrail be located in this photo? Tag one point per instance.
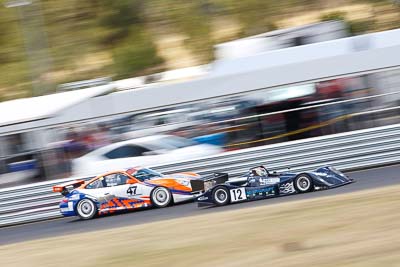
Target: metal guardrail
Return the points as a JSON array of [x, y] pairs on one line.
[[345, 151]]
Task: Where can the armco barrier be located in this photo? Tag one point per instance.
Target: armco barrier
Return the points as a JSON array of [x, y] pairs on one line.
[[345, 151]]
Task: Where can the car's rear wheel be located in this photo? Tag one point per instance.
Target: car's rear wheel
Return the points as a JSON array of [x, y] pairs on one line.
[[161, 197], [303, 183], [86, 209], [220, 195]]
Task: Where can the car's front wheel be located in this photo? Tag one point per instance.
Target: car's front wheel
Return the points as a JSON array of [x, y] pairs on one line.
[[161, 197], [86, 209], [220, 195], [303, 183]]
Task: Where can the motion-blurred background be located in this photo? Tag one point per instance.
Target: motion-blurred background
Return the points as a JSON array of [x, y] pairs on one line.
[[114, 50]]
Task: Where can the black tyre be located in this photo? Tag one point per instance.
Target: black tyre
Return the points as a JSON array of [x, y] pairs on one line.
[[303, 183], [161, 197], [86, 209], [220, 195]]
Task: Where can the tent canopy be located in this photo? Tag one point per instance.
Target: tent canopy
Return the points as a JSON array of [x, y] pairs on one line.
[[42, 107]]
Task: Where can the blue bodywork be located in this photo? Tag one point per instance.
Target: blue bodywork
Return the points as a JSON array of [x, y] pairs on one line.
[[322, 178], [68, 205]]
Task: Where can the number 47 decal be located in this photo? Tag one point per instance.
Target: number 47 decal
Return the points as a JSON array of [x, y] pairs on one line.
[[131, 190]]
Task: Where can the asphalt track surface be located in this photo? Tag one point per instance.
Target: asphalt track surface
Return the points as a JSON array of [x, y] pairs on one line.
[[366, 179]]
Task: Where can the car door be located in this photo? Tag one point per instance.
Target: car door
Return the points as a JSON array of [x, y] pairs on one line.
[[118, 191], [124, 187]]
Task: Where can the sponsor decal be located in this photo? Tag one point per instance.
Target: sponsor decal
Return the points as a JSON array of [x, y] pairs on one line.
[[260, 191], [202, 198], [268, 181], [286, 188]]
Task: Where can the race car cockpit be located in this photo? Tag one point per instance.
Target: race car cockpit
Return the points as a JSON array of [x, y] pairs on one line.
[[260, 176], [259, 171]]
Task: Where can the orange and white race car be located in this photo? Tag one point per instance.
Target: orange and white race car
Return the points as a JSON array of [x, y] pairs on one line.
[[123, 190]]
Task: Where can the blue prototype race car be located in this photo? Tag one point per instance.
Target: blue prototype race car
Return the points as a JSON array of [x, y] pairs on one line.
[[258, 183]]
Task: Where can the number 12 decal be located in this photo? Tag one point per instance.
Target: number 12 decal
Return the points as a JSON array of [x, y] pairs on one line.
[[238, 194]]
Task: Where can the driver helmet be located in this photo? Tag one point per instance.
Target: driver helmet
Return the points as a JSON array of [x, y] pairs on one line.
[[259, 171]]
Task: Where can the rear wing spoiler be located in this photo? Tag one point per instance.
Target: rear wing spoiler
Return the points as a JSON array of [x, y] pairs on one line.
[[67, 187], [208, 181]]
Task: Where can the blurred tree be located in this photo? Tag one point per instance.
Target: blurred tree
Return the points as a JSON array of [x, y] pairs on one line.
[[256, 17], [374, 1], [357, 27], [4, 56], [134, 55], [260, 16], [192, 18], [82, 33], [120, 16], [337, 15], [11, 44], [133, 50]]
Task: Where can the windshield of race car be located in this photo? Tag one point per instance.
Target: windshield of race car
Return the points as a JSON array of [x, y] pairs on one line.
[[146, 174]]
